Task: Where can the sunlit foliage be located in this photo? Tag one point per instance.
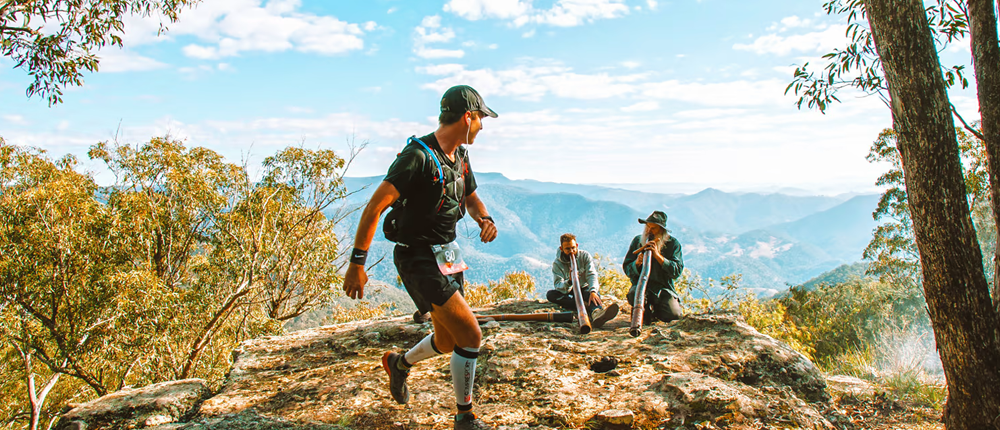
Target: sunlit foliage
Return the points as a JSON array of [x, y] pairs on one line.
[[56, 41], [160, 275], [516, 285]]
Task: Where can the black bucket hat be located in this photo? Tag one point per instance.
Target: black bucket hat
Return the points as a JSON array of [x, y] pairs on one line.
[[462, 99], [657, 217]]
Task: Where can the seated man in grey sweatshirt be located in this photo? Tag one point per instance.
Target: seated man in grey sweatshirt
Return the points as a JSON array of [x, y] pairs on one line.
[[562, 292]]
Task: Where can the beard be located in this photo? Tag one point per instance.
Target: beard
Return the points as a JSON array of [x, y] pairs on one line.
[[661, 238]]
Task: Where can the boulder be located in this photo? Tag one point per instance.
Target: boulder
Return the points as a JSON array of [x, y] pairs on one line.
[[149, 406], [704, 371]]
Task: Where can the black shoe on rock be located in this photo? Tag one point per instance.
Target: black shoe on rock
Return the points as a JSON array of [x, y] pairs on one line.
[[397, 378], [470, 422], [421, 318]]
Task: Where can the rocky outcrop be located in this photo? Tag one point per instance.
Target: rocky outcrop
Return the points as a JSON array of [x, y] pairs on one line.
[[157, 404], [704, 371]]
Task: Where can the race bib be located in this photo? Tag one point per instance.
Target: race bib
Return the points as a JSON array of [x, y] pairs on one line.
[[449, 258]]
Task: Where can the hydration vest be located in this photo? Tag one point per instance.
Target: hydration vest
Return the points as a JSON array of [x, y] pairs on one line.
[[403, 212]]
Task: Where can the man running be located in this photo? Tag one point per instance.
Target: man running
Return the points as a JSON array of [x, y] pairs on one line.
[[430, 186]]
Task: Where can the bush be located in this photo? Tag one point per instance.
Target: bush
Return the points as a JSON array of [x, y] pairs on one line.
[[613, 281], [517, 285]]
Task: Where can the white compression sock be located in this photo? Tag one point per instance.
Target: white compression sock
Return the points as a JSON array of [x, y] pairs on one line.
[[423, 350], [463, 374]]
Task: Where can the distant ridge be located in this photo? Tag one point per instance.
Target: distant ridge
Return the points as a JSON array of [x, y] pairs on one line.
[[771, 239]]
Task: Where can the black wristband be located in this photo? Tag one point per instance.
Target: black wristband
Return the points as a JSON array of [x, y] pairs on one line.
[[359, 256], [488, 218]]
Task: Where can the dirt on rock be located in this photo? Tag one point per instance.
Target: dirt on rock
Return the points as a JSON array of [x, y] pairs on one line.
[[701, 372]]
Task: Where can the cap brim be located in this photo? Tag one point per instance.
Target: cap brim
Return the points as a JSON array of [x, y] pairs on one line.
[[489, 112], [642, 221]]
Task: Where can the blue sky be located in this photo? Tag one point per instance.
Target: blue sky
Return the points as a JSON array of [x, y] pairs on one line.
[[685, 93]]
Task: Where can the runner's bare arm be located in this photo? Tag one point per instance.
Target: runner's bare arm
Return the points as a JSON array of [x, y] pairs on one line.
[[477, 210], [356, 278]]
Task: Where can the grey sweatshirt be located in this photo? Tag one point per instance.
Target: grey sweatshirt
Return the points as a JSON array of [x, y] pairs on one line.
[[587, 273]]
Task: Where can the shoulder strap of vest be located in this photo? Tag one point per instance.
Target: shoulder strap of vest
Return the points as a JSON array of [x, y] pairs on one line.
[[440, 176]]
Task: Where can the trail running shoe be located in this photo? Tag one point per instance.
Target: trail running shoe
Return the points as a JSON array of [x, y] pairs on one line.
[[421, 318], [470, 422], [602, 316], [397, 378]]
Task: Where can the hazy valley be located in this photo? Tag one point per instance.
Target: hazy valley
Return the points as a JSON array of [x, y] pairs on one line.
[[771, 239]]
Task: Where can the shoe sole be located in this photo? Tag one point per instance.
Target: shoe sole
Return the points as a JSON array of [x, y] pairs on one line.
[[609, 315]]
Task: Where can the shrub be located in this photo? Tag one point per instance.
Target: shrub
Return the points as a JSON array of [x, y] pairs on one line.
[[361, 311], [516, 285]]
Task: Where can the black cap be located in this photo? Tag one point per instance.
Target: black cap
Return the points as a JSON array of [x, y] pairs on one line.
[[463, 98], [657, 217]]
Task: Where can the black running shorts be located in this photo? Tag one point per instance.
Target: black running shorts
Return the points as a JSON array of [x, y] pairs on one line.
[[423, 281]]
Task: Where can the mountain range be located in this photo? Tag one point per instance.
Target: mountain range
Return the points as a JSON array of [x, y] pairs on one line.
[[773, 240]]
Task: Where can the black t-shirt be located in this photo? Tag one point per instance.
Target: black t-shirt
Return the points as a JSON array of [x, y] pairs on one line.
[[422, 214]]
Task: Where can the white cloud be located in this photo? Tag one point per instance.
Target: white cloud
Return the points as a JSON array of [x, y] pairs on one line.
[[532, 82], [720, 94], [15, 119], [528, 34], [652, 4], [791, 22], [711, 113], [431, 53], [746, 146], [960, 45], [546, 79], [480, 9], [571, 13], [391, 10], [815, 42], [114, 60], [631, 64], [232, 27], [201, 52], [564, 13], [794, 21], [430, 31], [642, 107]]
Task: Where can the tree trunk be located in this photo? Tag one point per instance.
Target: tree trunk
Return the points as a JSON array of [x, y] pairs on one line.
[[36, 399], [208, 331], [986, 60], [958, 296]]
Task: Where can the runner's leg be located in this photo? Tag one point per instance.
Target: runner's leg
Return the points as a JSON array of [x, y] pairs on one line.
[[456, 318]]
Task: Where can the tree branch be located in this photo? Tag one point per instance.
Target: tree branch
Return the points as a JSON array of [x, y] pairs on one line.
[[967, 127], [6, 4], [4, 28]]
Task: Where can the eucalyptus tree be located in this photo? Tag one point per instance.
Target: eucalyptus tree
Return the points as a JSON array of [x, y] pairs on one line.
[[239, 254], [71, 307], [56, 41], [894, 54], [160, 275]]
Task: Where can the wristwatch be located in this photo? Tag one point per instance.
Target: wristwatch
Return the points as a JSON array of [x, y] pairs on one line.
[[488, 218]]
